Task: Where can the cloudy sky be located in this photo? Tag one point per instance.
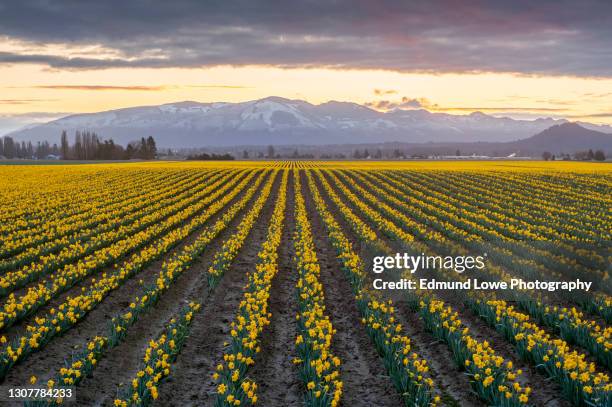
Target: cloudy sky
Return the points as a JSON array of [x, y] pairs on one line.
[[518, 58]]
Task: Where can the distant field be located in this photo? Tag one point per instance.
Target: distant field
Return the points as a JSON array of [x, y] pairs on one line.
[[208, 283], [54, 162]]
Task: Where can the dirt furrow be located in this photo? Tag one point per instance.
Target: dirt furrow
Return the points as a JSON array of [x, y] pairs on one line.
[[545, 391], [453, 383], [84, 283], [210, 327], [362, 371], [23, 290], [51, 359], [274, 372]]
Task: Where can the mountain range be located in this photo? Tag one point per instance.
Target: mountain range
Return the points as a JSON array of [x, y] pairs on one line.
[[279, 121]]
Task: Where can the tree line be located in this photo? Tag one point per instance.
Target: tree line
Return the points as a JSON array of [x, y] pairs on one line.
[[10, 148], [210, 157], [587, 155], [89, 146], [86, 145]]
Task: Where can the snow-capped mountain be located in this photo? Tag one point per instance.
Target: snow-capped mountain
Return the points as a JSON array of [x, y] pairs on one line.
[[276, 120]]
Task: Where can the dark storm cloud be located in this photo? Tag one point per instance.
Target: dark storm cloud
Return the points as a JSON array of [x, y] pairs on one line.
[[531, 37]]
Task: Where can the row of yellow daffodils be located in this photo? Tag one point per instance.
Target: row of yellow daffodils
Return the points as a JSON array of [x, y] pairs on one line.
[[453, 202], [476, 357], [595, 302], [78, 213], [82, 365], [408, 371], [493, 378], [574, 389], [319, 368], [107, 218], [514, 245], [77, 250], [85, 361], [518, 219], [561, 204], [492, 204], [234, 388], [224, 257], [571, 323], [579, 379], [519, 209], [157, 361], [468, 352], [15, 308], [72, 310], [364, 232], [45, 200]]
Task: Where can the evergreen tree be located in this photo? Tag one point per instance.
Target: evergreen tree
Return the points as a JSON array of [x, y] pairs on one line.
[[151, 148], [65, 146], [17, 150], [9, 147], [78, 146], [86, 145], [130, 152], [270, 151], [142, 149]]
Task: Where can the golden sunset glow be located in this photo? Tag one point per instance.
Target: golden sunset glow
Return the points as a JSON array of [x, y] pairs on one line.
[[524, 61], [34, 88]]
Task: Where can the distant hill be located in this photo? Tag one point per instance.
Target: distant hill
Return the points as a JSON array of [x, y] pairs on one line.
[[280, 121], [564, 138]]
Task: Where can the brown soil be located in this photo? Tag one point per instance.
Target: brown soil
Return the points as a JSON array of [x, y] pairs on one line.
[[362, 371], [366, 382], [545, 392], [191, 383], [279, 384], [23, 290], [149, 272], [46, 363], [453, 383]]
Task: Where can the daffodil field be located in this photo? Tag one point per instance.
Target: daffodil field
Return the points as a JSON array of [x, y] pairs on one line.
[[250, 283]]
